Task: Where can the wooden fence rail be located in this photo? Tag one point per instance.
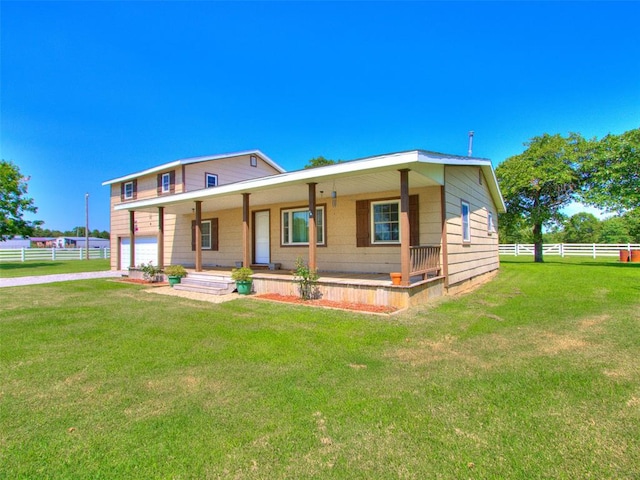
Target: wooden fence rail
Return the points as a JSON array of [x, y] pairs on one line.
[[26, 254], [593, 250]]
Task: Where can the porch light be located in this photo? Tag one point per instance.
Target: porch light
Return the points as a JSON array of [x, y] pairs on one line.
[[334, 195]]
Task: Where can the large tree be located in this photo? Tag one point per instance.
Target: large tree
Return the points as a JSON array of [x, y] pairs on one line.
[[319, 162], [14, 203], [539, 182], [611, 175]]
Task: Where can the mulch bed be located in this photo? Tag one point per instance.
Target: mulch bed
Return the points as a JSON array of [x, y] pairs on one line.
[[358, 307]]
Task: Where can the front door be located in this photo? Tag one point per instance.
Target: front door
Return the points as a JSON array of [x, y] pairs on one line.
[[261, 233]]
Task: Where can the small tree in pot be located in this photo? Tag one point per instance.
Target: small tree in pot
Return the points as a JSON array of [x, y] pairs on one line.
[[243, 279], [175, 273]]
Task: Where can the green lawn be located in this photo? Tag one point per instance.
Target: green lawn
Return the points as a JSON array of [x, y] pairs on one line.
[[47, 267], [535, 375]]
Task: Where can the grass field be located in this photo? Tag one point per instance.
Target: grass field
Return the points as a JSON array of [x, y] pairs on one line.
[[535, 375], [37, 267]]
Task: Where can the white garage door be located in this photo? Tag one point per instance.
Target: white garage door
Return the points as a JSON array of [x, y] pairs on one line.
[[146, 251]]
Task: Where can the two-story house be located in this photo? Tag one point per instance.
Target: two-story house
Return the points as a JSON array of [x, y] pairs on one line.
[[430, 217]]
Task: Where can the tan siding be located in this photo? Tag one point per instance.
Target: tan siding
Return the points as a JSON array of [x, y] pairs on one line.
[[481, 255], [340, 254], [228, 170]]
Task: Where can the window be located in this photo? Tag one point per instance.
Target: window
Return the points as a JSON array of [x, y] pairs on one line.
[[466, 223], [205, 234], [210, 180], [128, 190], [385, 222], [491, 228], [253, 161], [208, 234], [295, 226], [166, 182]]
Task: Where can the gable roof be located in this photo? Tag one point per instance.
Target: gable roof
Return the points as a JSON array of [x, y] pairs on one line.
[[187, 161], [381, 169]]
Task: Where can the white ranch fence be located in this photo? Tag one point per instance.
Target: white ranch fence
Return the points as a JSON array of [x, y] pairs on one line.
[[593, 250], [26, 254]]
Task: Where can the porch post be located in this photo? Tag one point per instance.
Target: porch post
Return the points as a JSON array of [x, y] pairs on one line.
[[198, 235], [444, 236], [313, 232], [160, 237], [405, 229], [132, 239], [246, 251]]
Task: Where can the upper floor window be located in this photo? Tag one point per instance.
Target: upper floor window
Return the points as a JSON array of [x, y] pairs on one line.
[[295, 226], [210, 180], [253, 161], [128, 190], [466, 221], [385, 221], [166, 182]]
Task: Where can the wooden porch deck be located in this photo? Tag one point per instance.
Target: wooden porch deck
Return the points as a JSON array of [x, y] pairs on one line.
[[369, 288]]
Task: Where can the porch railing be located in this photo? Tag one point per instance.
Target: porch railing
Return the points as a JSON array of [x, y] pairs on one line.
[[425, 260]]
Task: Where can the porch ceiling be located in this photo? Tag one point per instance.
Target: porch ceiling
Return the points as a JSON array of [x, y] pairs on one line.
[[225, 197]]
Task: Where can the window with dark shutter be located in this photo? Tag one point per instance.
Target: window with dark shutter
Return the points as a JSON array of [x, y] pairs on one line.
[[363, 221], [209, 231], [166, 183], [128, 190]]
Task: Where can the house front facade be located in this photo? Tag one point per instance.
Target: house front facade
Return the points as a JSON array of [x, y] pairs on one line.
[[428, 216]]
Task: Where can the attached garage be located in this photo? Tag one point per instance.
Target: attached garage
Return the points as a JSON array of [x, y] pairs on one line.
[[146, 251]]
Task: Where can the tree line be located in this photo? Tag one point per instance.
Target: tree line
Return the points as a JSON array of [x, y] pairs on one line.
[[74, 232], [583, 227]]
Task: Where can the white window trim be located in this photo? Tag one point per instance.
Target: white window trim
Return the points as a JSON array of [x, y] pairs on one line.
[[203, 235], [130, 195], [166, 186], [373, 226], [253, 161], [465, 226], [206, 180], [289, 242]]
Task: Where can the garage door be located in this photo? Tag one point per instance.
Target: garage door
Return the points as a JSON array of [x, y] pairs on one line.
[[146, 251]]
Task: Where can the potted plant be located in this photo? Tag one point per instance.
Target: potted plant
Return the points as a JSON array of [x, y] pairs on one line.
[[175, 273], [243, 279], [150, 272]]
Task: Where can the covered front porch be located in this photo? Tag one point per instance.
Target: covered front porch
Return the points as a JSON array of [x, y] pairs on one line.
[[365, 288]]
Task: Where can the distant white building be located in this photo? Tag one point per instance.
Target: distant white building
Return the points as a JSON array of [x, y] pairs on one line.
[[81, 242], [17, 242]]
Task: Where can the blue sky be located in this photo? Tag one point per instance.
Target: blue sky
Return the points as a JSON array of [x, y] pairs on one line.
[[94, 90]]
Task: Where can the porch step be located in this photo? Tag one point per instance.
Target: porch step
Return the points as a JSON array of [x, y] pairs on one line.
[[204, 283]]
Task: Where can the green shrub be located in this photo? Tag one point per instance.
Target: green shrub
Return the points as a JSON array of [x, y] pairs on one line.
[[307, 279]]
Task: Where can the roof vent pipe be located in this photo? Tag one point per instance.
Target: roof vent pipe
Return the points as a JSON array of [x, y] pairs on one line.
[[470, 142]]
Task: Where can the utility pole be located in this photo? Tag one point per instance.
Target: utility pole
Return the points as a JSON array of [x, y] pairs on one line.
[[86, 226]]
